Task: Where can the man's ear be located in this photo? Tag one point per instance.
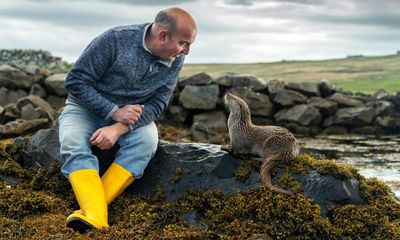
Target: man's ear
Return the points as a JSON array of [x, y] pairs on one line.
[[162, 36]]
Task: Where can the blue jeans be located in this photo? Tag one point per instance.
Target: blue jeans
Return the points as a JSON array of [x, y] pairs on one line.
[[77, 125]]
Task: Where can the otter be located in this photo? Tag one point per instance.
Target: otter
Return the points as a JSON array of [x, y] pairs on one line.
[[272, 144]]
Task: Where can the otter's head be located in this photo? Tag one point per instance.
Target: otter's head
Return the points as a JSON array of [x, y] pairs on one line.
[[235, 104]]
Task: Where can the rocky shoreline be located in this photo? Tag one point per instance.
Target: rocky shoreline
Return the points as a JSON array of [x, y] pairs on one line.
[[194, 190]]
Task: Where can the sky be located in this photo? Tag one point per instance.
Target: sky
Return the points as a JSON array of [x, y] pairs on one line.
[[229, 31]]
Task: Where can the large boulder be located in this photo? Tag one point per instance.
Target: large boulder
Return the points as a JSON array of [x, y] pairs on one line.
[[214, 120], [346, 100], [21, 126], [275, 85], [287, 98], [236, 80], [354, 117], [55, 84], [259, 104], [328, 191], [43, 108], [390, 123], [196, 79], [181, 167], [199, 97], [381, 107], [303, 114], [307, 88], [326, 88], [14, 78], [326, 107], [11, 96]]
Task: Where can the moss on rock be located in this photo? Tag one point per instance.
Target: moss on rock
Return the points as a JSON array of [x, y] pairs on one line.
[[38, 206]]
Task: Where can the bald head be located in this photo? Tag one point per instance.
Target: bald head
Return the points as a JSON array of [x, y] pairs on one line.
[[175, 19], [171, 34]]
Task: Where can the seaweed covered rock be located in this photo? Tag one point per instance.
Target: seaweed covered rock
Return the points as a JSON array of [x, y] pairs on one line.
[[37, 206], [178, 168]]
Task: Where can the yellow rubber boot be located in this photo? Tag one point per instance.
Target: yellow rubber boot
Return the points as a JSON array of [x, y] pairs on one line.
[[115, 180], [89, 193]]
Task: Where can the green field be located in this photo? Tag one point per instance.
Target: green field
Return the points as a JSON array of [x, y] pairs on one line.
[[357, 74]]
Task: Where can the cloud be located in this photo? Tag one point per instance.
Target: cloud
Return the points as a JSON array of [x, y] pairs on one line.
[[228, 30]]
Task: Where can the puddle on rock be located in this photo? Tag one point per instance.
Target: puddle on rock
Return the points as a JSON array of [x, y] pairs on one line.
[[373, 156]]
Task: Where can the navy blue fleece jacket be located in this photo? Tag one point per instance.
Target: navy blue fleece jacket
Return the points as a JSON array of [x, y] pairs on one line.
[[116, 69]]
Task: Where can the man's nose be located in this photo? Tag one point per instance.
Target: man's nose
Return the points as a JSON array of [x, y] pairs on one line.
[[186, 50]]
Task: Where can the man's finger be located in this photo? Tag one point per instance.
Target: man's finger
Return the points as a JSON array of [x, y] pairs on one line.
[[95, 135]]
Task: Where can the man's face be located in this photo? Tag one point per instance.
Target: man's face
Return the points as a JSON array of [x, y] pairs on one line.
[[177, 44]]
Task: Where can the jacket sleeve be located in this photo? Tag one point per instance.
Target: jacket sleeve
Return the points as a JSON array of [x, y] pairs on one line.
[[160, 99], [92, 64]]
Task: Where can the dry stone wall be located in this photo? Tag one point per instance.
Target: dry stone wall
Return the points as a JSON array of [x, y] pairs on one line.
[[32, 87], [303, 107]]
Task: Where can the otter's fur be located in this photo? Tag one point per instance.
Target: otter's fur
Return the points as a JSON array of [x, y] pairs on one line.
[[273, 144]]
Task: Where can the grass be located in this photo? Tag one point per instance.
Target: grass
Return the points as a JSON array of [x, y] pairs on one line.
[[370, 85], [366, 74]]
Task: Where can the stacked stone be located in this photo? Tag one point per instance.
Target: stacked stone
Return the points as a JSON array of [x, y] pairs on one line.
[[31, 58], [32, 96], [303, 107]]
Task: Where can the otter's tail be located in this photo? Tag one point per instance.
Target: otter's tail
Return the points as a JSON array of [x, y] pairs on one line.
[[265, 171]]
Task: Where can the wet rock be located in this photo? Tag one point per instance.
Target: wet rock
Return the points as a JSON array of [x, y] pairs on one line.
[[328, 191], [236, 80], [181, 167], [307, 88], [196, 79], [287, 98], [199, 97], [42, 149]]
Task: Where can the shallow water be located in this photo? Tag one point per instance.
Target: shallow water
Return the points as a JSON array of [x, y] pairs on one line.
[[373, 156]]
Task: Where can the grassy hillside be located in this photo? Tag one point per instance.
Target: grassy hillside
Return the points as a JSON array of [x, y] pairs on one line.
[[366, 74]]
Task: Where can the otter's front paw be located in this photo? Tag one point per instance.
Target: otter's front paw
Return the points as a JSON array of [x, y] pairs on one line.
[[226, 148]]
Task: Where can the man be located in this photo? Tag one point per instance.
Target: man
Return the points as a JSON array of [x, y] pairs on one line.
[[119, 85]]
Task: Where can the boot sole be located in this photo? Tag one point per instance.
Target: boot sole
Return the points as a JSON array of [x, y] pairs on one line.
[[78, 224]]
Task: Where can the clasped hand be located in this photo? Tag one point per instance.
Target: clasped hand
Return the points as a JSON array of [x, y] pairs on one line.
[[105, 137], [128, 114]]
